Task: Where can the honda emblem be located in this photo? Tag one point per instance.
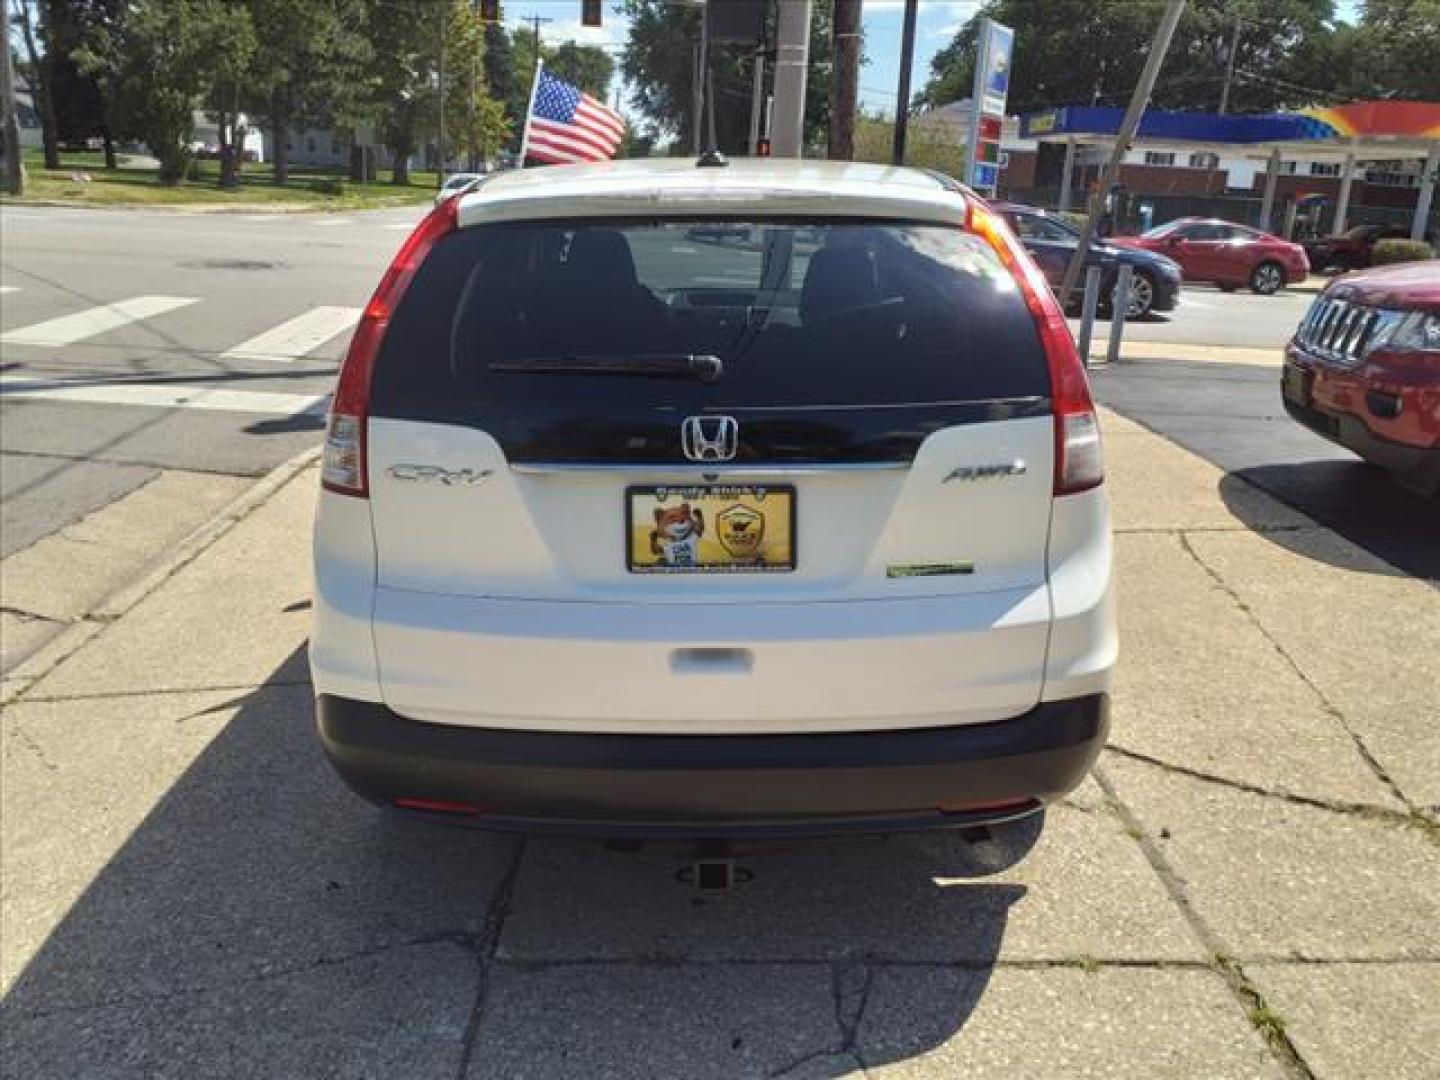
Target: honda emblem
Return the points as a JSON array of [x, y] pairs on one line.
[[710, 438]]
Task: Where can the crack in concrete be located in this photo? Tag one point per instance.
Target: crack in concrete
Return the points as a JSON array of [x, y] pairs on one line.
[[849, 1002], [487, 948], [1257, 1011], [1368, 811], [1325, 703], [25, 615], [25, 739]]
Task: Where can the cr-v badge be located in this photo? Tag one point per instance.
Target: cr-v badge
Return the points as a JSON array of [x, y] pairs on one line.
[[986, 472], [449, 477], [710, 438]]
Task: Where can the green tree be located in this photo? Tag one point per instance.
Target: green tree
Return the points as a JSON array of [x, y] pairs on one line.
[[160, 62], [35, 19], [308, 69], [1091, 52], [405, 37], [927, 146], [658, 63], [475, 121], [585, 66], [1392, 53], [500, 80]]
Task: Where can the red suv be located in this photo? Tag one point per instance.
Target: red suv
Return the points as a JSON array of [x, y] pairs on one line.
[[1227, 254], [1363, 369]]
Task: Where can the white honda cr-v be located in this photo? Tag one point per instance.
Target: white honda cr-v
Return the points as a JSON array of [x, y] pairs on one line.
[[713, 501]]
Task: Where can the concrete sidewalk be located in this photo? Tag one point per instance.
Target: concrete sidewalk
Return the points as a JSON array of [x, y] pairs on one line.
[[1246, 888]]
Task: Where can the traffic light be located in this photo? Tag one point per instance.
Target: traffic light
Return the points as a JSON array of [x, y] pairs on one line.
[[589, 12], [490, 11]]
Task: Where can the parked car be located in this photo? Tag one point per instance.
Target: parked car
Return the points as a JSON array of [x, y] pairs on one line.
[[619, 539], [1155, 281], [1350, 250], [1363, 369], [456, 184], [1224, 253]]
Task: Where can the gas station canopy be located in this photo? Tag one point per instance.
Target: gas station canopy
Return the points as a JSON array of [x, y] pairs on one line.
[[1386, 128], [1361, 130]]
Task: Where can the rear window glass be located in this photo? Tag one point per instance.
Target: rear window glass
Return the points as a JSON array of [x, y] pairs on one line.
[[781, 313]]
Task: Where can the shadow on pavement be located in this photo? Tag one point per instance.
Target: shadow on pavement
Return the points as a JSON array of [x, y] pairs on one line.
[[1355, 500], [262, 920]]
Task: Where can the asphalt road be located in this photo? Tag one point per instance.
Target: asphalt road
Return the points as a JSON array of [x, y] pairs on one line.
[[204, 286], [206, 342]]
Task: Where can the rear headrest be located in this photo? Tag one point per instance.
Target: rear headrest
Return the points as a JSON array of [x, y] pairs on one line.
[[601, 258], [838, 280]]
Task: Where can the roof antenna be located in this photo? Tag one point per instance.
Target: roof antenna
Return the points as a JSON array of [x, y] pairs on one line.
[[711, 158]]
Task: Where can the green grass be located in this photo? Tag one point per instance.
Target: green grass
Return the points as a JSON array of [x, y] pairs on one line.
[[309, 188]]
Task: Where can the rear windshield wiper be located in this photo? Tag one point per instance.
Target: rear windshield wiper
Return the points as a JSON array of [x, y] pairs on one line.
[[701, 366]]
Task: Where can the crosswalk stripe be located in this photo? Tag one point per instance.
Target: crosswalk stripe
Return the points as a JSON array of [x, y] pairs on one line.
[[97, 320], [335, 221], [162, 396], [8, 289], [296, 337]]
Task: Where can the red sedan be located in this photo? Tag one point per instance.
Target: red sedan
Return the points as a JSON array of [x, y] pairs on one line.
[[1363, 369], [1227, 254]]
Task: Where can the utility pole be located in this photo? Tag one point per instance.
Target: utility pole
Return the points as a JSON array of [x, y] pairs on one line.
[[440, 97], [535, 21], [792, 63], [1229, 67], [14, 166], [845, 31], [902, 97], [1138, 100]]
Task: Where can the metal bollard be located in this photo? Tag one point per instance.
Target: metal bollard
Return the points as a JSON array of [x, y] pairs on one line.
[[1119, 304], [1087, 312]]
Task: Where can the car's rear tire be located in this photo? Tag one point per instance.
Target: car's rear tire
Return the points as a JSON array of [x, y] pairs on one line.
[[1267, 279], [1142, 296], [1226, 288]]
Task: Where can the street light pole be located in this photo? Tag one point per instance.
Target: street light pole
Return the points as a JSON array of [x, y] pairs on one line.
[[845, 29], [1138, 100], [792, 62]]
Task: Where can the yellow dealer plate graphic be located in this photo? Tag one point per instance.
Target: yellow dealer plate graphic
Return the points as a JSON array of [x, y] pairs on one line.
[[710, 529]]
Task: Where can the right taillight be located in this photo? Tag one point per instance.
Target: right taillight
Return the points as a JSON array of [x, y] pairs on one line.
[[1079, 462], [343, 467]]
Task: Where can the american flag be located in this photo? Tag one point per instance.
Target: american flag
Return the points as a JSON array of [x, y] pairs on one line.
[[568, 125]]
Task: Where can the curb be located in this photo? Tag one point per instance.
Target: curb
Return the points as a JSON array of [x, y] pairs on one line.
[[79, 634]]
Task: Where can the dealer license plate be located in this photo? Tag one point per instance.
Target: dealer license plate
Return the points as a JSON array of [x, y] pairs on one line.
[[710, 529]]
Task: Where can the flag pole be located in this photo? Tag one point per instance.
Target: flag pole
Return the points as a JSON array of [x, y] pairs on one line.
[[530, 111]]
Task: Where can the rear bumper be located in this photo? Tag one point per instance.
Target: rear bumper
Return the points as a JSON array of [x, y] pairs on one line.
[[717, 785]]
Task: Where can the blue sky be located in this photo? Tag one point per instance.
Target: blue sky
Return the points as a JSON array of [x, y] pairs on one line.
[[937, 23]]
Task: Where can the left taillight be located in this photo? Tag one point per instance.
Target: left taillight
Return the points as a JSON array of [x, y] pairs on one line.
[[343, 467]]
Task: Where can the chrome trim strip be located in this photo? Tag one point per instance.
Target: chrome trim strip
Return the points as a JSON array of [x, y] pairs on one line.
[[726, 469]]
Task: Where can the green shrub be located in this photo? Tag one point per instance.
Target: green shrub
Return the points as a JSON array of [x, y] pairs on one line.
[[1400, 251], [329, 185]]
